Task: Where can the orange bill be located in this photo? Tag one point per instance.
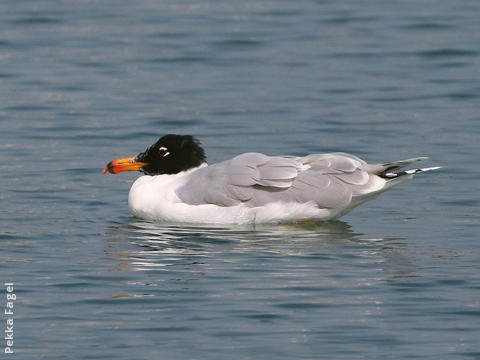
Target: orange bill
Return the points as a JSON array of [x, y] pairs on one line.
[[125, 164]]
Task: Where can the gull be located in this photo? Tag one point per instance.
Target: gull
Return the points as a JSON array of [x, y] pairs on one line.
[[179, 186]]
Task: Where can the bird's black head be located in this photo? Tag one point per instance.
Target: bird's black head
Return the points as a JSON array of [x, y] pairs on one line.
[[171, 154]]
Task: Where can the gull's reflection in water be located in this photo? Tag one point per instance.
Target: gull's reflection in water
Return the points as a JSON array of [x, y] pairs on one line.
[[142, 245]]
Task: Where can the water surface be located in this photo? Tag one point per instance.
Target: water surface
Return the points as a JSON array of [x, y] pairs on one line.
[[82, 83]]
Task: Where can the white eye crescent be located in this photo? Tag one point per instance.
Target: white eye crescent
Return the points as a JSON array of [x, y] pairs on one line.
[[164, 151]]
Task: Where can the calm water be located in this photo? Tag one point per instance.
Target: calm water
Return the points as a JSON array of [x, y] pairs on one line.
[[83, 82]]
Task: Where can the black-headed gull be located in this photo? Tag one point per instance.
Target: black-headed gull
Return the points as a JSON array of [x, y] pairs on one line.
[[179, 186]]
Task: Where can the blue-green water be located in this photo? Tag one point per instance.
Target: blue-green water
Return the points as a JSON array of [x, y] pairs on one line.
[[83, 82]]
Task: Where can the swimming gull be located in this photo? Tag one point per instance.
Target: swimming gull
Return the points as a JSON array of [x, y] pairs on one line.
[[179, 186]]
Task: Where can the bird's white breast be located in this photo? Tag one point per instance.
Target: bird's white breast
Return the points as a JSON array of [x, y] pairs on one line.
[[151, 194]]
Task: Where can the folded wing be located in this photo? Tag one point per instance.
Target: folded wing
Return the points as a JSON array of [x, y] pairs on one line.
[[329, 180]]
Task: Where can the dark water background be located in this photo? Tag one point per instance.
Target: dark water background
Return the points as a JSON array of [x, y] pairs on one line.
[[83, 82]]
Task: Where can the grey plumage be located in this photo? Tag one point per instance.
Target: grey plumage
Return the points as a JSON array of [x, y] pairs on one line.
[[331, 181]]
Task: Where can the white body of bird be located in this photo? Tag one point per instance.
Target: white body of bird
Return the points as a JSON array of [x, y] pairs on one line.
[[255, 188]]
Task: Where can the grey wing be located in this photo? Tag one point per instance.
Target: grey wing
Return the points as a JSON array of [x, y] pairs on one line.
[[332, 179], [236, 181], [329, 180]]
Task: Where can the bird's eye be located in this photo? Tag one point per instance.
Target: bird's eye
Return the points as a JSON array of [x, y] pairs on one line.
[[163, 151]]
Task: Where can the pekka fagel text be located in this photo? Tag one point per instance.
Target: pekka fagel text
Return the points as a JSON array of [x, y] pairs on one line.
[[11, 297]]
